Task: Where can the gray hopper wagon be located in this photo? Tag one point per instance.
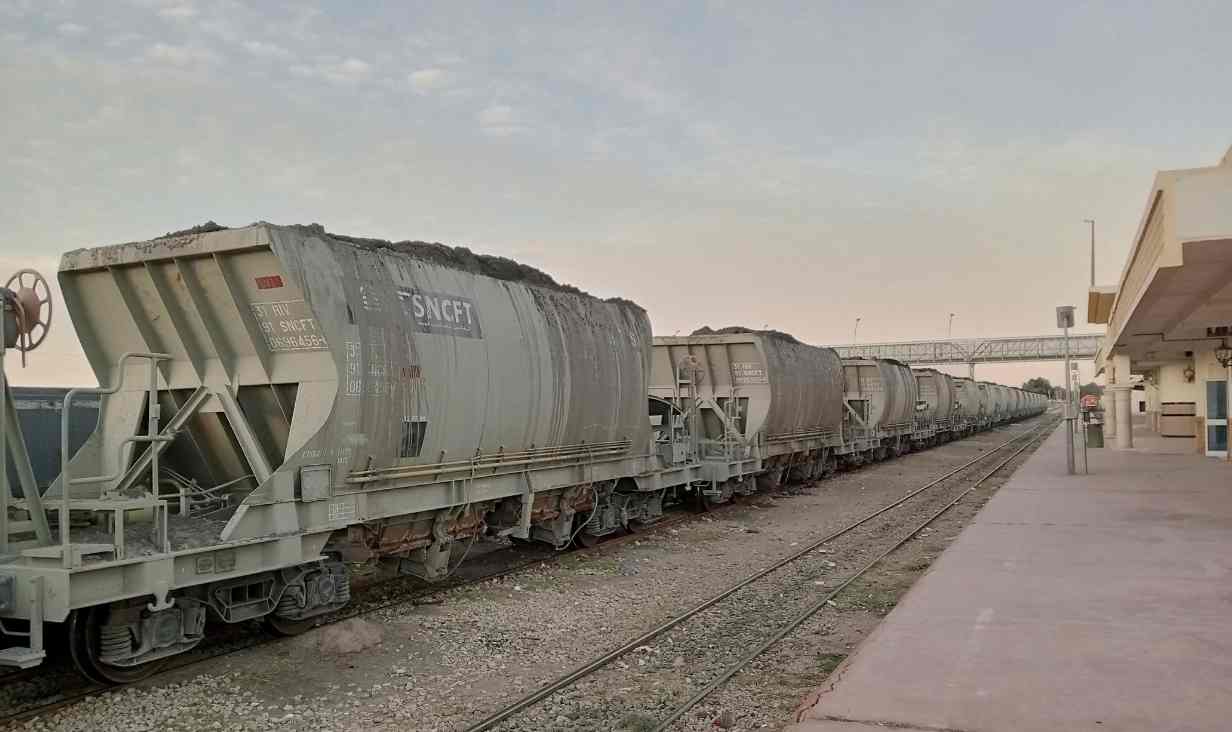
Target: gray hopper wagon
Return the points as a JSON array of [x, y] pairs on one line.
[[968, 407], [882, 399], [279, 401], [998, 402], [938, 404], [763, 405]]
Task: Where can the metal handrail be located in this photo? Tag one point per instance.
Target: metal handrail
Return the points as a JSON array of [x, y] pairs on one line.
[[65, 481], [120, 470], [420, 471], [503, 458]]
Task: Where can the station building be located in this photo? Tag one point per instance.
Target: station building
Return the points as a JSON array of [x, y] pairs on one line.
[[1168, 318]]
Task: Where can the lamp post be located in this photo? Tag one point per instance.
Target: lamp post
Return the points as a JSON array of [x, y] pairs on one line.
[[854, 331], [1223, 355], [1065, 321], [1092, 223], [949, 330]]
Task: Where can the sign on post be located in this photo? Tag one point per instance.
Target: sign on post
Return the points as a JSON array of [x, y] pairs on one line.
[[1065, 316]]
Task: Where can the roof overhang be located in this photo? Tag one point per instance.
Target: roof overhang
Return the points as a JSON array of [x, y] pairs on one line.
[[1099, 304], [1175, 292]]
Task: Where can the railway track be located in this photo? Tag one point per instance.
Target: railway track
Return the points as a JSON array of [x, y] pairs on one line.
[[69, 695], [608, 682]]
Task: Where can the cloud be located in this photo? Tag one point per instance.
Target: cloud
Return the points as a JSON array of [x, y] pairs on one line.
[[346, 71], [501, 120], [179, 55], [351, 69], [123, 39], [266, 50], [71, 29], [178, 12], [104, 116], [428, 80]]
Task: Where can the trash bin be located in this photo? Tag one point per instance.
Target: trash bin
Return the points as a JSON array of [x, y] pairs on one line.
[[1095, 434]]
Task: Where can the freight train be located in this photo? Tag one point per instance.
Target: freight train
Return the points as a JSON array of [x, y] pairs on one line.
[[280, 403]]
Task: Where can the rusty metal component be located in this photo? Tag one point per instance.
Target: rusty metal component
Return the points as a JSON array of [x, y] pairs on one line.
[[398, 536]]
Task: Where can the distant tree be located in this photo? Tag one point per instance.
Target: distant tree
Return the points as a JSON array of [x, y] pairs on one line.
[[1039, 385], [1091, 388]]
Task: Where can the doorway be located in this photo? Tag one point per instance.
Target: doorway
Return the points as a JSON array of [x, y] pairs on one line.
[[1217, 418]]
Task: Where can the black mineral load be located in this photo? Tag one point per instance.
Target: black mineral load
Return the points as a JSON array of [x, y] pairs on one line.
[[206, 228], [460, 258], [731, 329]]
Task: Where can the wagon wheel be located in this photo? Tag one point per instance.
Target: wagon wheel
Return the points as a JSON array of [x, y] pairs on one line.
[[84, 631], [286, 628]]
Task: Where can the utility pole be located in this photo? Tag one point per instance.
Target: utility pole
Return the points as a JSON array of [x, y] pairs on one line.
[[1092, 223]]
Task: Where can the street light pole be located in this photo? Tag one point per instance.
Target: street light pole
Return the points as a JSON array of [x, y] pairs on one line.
[[854, 331], [1092, 223], [949, 331], [1065, 321]]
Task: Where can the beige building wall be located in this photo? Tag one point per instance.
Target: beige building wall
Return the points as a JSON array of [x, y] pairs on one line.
[[1172, 385]]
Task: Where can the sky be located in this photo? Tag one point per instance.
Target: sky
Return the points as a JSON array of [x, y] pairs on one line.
[[796, 165]]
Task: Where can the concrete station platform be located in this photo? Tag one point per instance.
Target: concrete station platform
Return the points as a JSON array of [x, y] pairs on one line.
[[1100, 602]]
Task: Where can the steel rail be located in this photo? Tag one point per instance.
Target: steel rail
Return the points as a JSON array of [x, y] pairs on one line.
[[594, 665], [813, 609]]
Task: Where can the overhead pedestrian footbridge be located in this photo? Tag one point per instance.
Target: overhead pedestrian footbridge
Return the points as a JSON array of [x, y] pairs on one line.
[[972, 351]]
